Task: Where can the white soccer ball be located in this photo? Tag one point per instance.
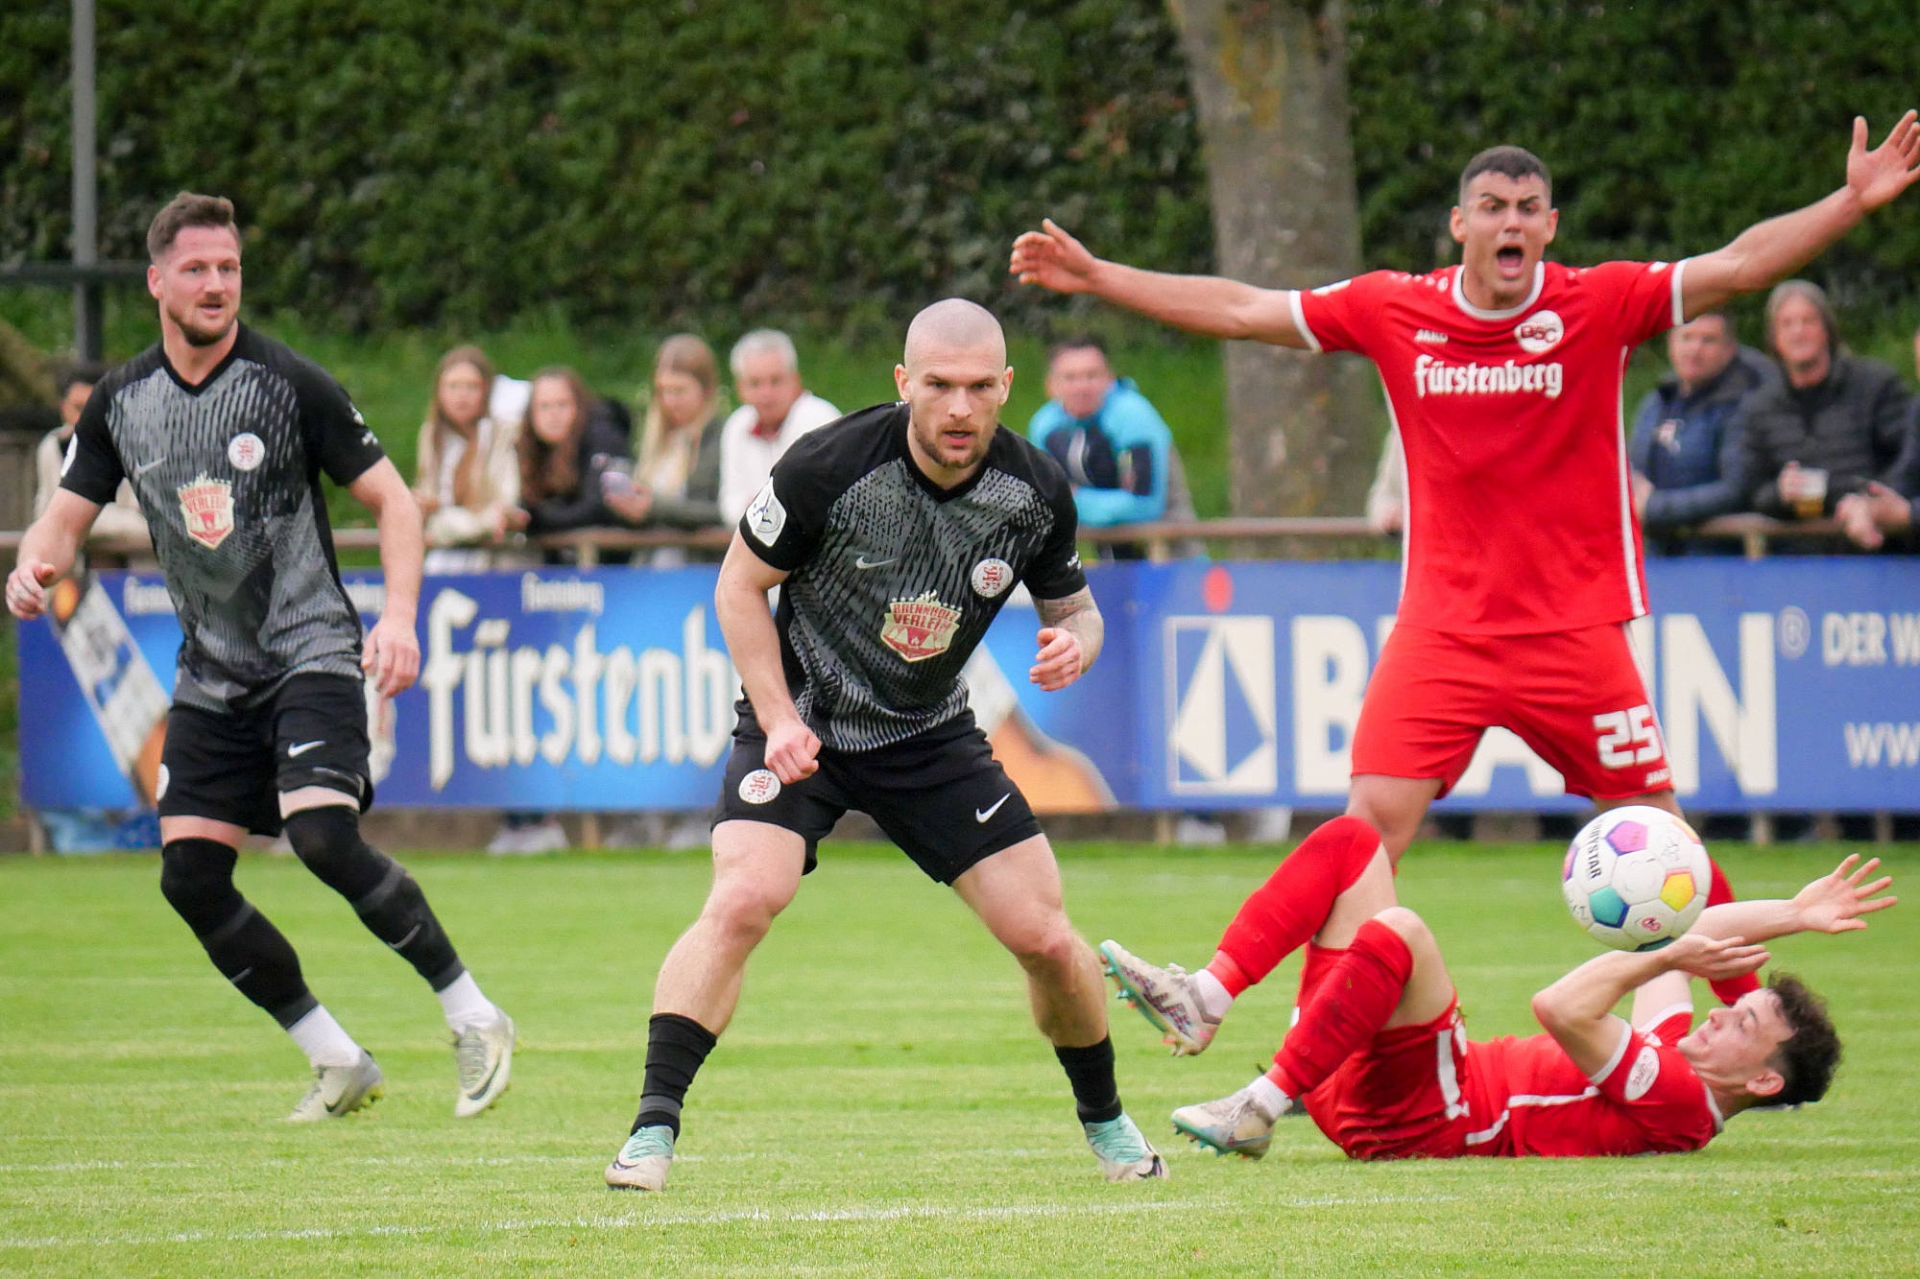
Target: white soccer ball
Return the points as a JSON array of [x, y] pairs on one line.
[[1636, 878]]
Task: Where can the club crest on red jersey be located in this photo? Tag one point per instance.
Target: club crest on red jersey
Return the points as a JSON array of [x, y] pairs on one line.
[[919, 628], [1539, 332], [207, 506]]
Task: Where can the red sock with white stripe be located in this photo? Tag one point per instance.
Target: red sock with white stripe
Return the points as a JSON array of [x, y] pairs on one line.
[[1346, 1011], [1279, 916], [1728, 990]]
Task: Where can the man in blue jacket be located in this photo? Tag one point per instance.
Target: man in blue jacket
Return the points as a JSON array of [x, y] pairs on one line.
[[1686, 448], [1112, 443]]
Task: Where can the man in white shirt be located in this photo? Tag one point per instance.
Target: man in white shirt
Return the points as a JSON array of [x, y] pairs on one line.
[[775, 410]]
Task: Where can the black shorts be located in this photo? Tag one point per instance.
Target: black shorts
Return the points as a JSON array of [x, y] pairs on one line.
[[233, 767], [941, 796]]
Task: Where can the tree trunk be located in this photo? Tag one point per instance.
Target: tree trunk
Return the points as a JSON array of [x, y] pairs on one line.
[[1270, 78]]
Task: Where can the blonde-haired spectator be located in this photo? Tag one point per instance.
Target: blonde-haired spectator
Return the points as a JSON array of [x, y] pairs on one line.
[[468, 469], [676, 474]]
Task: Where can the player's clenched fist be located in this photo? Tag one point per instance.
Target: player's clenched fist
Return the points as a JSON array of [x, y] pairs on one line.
[[1059, 661], [1053, 259], [791, 752], [27, 588]]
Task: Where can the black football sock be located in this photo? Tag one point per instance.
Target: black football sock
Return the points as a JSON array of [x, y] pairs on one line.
[[676, 1047], [196, 877], [1090, 1070]]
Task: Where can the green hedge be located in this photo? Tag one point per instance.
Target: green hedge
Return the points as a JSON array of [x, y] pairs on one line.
[[452, 165]]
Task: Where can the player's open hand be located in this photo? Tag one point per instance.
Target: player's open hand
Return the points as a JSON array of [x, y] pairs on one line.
[[1053, 260], [392, 657], [1835, 902], [27, 588], [1715, 958], [792, 750], [1879, 175], [1058, 663]]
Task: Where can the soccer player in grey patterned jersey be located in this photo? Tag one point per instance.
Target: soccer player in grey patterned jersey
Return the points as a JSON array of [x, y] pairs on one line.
[[224, 434], [896, 534]]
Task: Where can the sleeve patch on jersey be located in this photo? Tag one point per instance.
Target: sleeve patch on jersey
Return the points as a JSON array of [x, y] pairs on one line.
[[766, 517], [1646, 1069]]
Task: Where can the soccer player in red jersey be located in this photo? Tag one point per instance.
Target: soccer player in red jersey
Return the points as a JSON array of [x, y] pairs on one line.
[[1522, 553], [1381, 1061]]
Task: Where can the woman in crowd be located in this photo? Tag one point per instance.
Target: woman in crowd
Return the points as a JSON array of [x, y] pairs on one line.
[[570, 441], [468, 483], [676, 478]]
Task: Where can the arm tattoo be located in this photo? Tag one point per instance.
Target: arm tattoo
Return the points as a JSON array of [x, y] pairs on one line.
[[1077, 613]]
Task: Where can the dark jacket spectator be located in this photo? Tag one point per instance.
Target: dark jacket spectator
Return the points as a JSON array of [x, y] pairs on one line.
[[1686, 441], [569, 440], [1890, 510], [1833, 411]]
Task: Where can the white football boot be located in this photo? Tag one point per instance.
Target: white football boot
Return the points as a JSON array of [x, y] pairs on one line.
[[483, 1054], [1231, 1125], [1164, 997], [1124, 1153], [643, 1162], [340, 1090]]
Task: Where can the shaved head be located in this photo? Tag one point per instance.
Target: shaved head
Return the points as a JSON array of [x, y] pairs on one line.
[[954, 324]]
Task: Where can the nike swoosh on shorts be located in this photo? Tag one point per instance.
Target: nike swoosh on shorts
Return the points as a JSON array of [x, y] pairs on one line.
[[982, 815], [295, 752]]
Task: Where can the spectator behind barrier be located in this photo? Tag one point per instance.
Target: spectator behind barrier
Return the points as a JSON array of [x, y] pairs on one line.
[[1832, 426], [1686, 448], [570, 438], [1890, 509], [468, 471], [121, 519], [676, 475], [775, 410], [1113, 444]]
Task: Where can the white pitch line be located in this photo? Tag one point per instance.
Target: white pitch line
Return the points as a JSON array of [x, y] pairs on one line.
[[858, 1215]]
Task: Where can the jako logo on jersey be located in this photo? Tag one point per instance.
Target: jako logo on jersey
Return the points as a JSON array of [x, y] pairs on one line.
[[1335, 287], [990, 577], [1434, 377], [759, 787], [1430, 337], [246, 451], [208, 508], [919, 628], [766, 517], [1539, 332]]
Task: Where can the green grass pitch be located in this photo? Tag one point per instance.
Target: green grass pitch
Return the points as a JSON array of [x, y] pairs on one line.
[[881, 1104]]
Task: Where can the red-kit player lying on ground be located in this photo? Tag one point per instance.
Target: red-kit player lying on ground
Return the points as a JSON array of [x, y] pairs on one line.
[[1503, 375], [1380, 1057]]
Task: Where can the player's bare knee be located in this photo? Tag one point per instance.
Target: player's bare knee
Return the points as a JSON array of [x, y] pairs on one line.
[[1412, 929], [1050, 946]]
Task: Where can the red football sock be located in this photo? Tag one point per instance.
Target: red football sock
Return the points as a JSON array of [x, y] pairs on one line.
[[1228, 973], [1281, 914], [1729, 990], [1346, 1012], [1319, 962]]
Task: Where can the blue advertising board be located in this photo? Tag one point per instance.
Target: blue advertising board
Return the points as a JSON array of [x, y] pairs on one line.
[[1782, 684]]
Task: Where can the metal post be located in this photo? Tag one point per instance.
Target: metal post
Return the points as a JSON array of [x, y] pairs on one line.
[[87, 297]]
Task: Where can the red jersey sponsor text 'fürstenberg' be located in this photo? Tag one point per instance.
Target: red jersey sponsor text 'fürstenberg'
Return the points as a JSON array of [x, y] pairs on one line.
[[1519, 506]]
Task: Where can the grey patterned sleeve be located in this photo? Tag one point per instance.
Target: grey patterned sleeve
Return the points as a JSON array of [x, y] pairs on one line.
[[92, 466]]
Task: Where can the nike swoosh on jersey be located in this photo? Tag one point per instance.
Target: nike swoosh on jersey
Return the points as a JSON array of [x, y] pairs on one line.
[[144, 467], [982, 815], [864, 562], [295, 752]]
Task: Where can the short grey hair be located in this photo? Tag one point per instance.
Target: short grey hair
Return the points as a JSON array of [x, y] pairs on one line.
[[760, 342]]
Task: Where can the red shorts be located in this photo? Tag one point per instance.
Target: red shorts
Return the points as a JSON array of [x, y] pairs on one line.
[[1576, 698], [1403, 1096]]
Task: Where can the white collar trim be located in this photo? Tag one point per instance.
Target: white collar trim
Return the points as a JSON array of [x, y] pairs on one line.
[[1511, 313]]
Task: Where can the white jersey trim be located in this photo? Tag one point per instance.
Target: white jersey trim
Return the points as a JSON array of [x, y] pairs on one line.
[[1512, 312], [1671, 1010], [1487, 1134], [1619, 1052], [1300, 320], [1679, 303], [1635, 601]]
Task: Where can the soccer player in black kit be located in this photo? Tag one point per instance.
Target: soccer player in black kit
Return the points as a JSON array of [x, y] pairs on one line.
[[224, 434], [895, 535]]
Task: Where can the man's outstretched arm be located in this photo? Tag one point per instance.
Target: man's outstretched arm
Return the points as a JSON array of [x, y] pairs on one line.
[[1833, 903], [1204, 304], [1770, 251], [1577, 1010]]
